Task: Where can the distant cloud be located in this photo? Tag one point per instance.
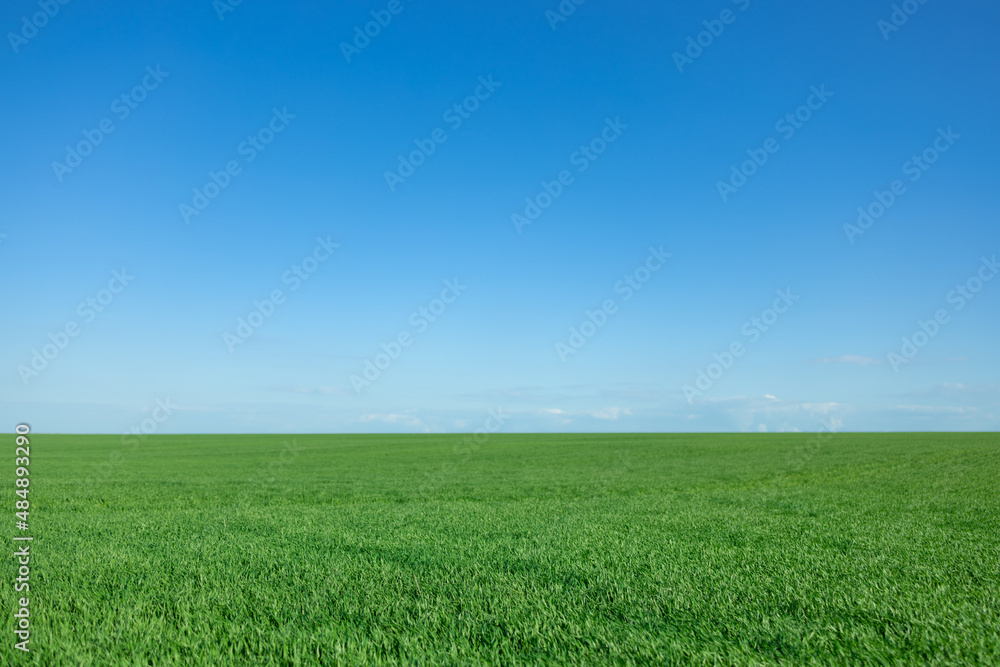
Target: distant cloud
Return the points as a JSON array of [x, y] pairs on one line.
[[556, 412], [854, 359], [319, 391], [934, 409], [959, 391], [750, 413], [575, 392], [821, 408], [404, 419], [610, 413]]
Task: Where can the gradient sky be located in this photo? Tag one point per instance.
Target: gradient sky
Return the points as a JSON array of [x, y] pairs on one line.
[[824, 361]]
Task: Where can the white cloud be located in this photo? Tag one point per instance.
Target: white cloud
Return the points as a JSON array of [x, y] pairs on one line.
[[934, 410], [609, 413], [748, 413], [407, 420], [822, 408]]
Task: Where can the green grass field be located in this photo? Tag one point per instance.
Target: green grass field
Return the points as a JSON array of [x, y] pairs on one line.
[[567, 549]]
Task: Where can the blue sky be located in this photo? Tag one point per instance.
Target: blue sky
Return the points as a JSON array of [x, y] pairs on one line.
[[624, 134]]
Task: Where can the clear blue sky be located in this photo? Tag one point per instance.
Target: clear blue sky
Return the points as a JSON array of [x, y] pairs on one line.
[[661, 131]]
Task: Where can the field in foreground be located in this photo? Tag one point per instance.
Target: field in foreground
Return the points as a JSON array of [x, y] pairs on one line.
[[541, 549]]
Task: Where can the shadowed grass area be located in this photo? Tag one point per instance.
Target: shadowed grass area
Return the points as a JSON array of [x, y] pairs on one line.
[[527, 549]]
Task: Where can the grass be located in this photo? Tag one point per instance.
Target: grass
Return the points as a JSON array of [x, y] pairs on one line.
[[532, 549]]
